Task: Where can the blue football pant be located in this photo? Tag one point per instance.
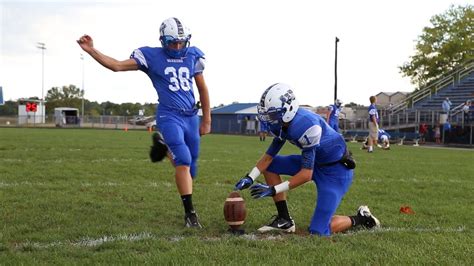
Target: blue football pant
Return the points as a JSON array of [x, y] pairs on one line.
[[335, 126], [181, 134], [332, 183]]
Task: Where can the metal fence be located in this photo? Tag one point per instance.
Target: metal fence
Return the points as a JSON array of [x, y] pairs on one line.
[[460, 132], [407, 121], [103, 121]]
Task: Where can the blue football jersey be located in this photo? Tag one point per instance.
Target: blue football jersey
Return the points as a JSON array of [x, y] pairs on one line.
[[334, 115], [310, 132], [373, 113], [171, 77], [383, 133]]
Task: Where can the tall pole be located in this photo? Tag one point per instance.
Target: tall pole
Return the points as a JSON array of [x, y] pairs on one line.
[[42, 46], [83, 90], [335, 72]]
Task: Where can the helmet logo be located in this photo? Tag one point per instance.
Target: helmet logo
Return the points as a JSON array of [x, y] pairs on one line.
[[287, 98], [180, 27], [264, 95], [162, 29]]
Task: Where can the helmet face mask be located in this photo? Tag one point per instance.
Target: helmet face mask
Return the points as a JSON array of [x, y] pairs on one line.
[[173, 31], [278, 105], [271, 116]]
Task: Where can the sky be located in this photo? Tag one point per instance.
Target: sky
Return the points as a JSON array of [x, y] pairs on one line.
[[249, 45]]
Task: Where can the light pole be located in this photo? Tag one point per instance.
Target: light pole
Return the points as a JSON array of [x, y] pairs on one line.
[[335, 72], [83, 90], [42, 46]]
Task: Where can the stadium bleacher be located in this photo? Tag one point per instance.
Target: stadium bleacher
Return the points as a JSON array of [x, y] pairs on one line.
[[458, 94]]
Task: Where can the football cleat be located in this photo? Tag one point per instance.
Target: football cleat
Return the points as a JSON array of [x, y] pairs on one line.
[[191, 220], [371, 222], [279, 224]]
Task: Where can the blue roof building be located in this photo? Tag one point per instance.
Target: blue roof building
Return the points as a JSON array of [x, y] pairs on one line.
[[236, 118]]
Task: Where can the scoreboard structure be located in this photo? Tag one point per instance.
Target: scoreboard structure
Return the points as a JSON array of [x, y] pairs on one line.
[[31, 111]]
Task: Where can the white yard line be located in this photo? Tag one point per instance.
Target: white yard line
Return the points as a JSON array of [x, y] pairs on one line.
[[382, 230], [84, 184], [94, 242], [444, 147]]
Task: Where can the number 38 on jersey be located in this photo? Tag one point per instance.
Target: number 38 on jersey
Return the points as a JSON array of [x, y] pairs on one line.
[[179, 78]]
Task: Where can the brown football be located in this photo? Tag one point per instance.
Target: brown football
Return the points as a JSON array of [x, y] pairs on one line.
[[234, 210]]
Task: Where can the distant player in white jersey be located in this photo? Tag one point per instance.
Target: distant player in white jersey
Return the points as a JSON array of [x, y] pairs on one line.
[[172, 69], [333, 114], [324, 159]]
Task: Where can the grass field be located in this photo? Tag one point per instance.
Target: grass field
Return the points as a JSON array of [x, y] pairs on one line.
[[78, 196]]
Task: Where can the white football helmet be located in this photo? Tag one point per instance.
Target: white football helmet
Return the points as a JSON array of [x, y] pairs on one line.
[[277, 104], [338, 102], [172, 30]]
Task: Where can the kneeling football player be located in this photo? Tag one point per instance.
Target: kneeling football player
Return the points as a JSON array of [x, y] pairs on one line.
[[324, 159]]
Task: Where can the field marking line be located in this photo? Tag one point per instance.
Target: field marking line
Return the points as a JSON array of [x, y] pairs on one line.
[[444, 148], [437, 229], [94, 242]]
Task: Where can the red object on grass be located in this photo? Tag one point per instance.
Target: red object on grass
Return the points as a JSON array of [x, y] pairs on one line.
[[406, 210]]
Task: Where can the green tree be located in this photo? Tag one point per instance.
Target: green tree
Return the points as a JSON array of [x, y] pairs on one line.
[[9, 108], [66, 96], [447, 43], [352, 104]]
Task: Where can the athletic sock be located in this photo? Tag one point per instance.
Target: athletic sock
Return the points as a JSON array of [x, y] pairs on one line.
[[282, 209], [187, 203]]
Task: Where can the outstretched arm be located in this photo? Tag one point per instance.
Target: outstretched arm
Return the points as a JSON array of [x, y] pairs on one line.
[[87, 44], [328, 114]]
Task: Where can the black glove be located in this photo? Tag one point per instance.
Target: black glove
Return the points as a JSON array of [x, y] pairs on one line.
[[159, 149], [244, 183]]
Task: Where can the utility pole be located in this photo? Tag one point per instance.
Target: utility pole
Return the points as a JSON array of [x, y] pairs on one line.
[[42, 46], [335, 72], [83, 90]]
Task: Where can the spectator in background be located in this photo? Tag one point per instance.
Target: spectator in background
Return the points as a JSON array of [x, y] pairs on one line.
[[373, 124], [333, 115], [437, 134], [262, 131], [446, 106], [465, 111], [250, 125], [422, 131], [446, 131]]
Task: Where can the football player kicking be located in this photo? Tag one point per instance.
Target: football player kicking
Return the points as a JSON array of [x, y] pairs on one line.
[[171, 69], [324, 159]]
